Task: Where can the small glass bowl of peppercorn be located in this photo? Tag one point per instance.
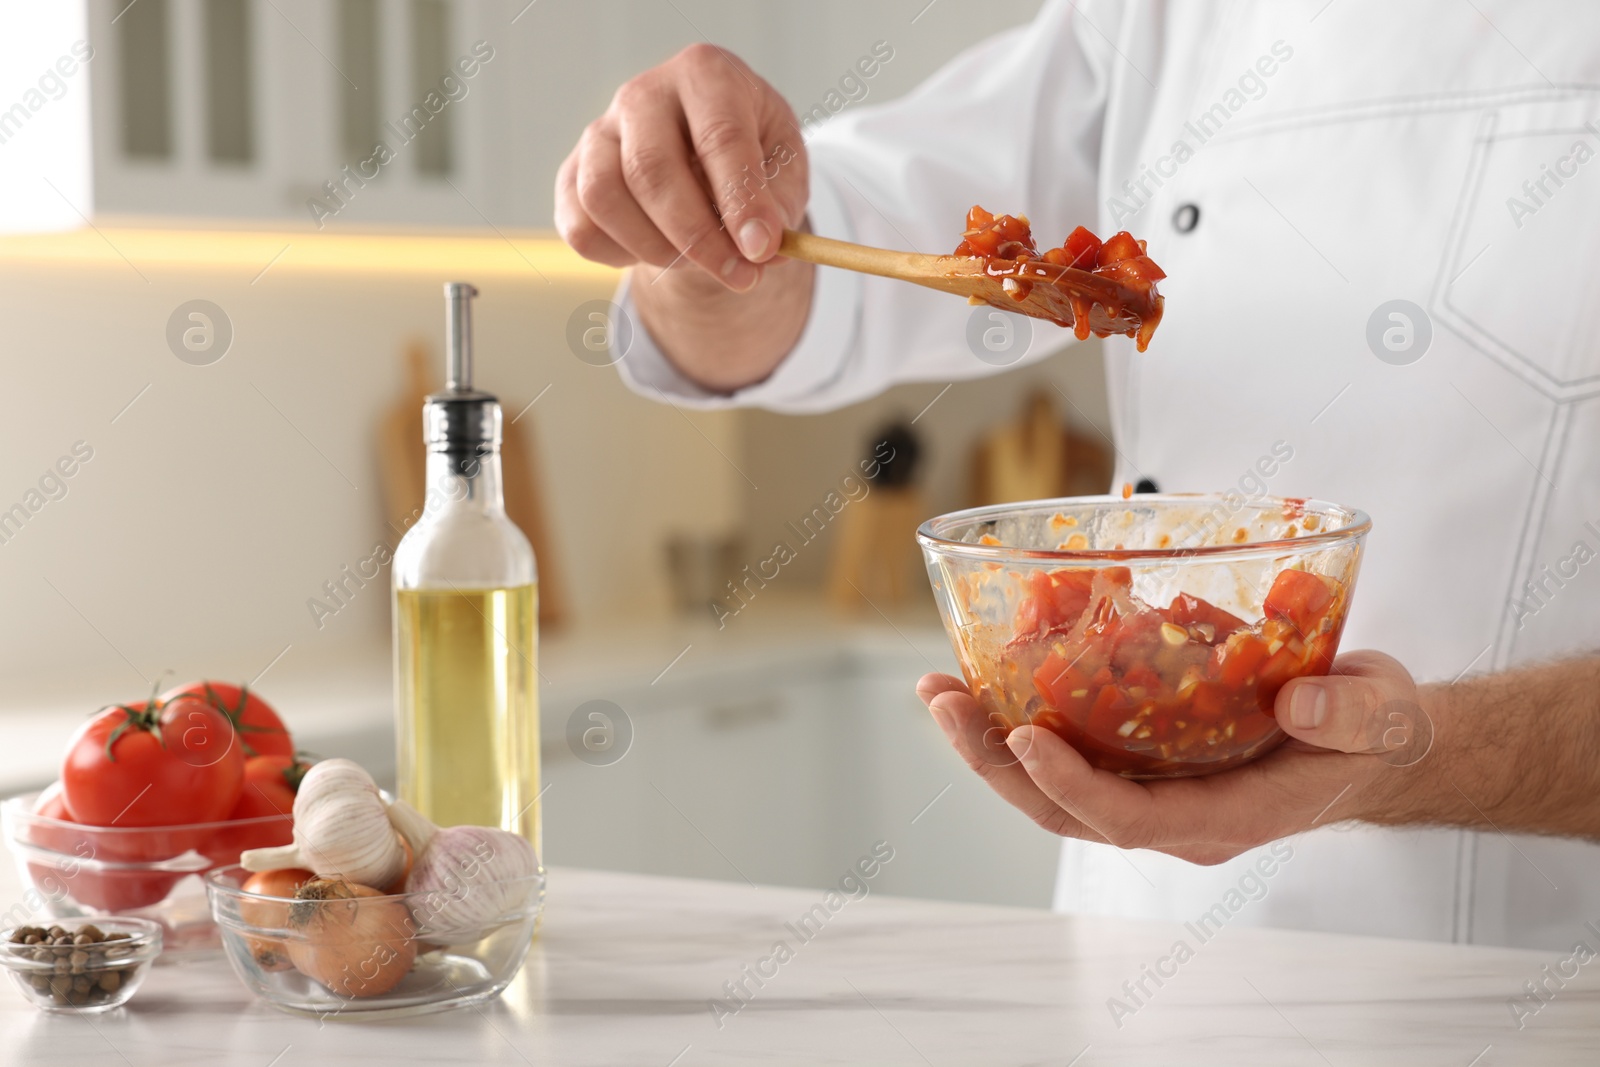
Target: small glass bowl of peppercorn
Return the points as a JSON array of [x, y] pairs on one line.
[[81, 965]]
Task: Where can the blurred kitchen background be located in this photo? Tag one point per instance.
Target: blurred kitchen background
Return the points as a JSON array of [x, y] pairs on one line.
[[223, 494]]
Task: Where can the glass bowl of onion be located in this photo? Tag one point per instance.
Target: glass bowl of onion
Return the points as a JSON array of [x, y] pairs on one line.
[[330, 948]]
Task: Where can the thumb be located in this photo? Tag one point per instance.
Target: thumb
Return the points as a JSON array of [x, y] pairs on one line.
[[1368, 704]]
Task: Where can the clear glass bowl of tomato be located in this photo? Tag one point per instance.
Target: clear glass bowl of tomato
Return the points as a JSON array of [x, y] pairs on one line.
[[1152, 632], [72, 870]]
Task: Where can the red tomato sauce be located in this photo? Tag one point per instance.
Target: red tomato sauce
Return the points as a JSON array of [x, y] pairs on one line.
[[1150, 691], [1006, 245]]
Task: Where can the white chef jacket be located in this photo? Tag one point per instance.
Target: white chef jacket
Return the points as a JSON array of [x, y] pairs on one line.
[[1340, 156]]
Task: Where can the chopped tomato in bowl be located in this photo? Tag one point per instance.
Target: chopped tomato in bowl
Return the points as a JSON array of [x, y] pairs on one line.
[[1153, 634]]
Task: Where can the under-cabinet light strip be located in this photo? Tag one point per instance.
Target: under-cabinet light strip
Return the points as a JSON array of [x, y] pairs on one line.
[[537, 255]]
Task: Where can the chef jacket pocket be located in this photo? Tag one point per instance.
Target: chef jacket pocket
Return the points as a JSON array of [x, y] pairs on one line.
[[1522, 268]]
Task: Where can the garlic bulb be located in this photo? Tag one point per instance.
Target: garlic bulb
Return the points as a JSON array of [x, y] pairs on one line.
[[465, 879], [341, 829]]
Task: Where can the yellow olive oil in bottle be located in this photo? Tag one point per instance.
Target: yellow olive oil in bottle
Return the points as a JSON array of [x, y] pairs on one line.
[[466, 619]]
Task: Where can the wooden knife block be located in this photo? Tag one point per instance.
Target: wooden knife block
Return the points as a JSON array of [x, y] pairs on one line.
[[1037, 457], [402, 473], [875, 561]]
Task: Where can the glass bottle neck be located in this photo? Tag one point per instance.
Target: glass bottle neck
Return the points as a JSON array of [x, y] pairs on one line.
[[472, 482]]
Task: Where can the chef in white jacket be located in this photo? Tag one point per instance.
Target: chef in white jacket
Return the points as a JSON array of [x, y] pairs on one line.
[[1379, 226]]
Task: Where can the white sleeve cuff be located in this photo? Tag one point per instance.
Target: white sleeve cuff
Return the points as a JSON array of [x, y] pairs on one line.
[[800, 383]]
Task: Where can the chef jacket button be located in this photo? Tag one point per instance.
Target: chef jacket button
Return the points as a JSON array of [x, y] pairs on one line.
[[1147, 485], [1186, 218]]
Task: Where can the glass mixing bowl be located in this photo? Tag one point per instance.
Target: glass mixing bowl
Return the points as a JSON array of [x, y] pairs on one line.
[[1152, 633], [394, 954], [153, 872]]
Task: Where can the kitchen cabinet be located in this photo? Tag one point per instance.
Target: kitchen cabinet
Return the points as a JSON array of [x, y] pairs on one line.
[[727, 776], [784, 763], [210, 109], [270, 110]]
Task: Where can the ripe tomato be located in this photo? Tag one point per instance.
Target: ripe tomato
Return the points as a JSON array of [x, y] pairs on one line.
[[1061, 685], [1236, 661], [270, 783], [1138, 270], [162, 763], [1187, 610], [1118, 247], [1109, 712], [1134, 641], [1290, 661], [1082, 248], [1056, 599], [47, 834], [1300, 597], [71, 869], [1003, 236], [259, 727]]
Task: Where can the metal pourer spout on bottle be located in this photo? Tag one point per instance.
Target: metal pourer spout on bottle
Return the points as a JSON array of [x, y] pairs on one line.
[[462, 422]]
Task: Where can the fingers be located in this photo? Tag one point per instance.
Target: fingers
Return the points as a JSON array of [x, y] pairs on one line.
[[1113, 808], [1350, 709], [604, 197], [1206, 819], [577, 228], [982, 745], [931, 685], [696, 161], [743, 135], [660, 173]]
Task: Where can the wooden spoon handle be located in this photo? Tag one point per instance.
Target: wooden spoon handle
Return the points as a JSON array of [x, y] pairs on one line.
[[826, 252]]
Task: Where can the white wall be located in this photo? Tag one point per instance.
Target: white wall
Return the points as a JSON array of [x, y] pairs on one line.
[[205, 519]]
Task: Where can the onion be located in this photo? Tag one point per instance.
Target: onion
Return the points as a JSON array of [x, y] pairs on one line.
[[351, 938], [270, 953]]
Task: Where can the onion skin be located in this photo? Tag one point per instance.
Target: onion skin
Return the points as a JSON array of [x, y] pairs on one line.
[[270, 953], [351, 938]]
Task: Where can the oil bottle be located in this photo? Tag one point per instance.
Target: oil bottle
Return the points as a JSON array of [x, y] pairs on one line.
[[465, 618]]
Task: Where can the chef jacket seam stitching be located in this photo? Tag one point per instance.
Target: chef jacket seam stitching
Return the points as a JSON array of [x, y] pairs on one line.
[[1392, 107], [1460, 322]]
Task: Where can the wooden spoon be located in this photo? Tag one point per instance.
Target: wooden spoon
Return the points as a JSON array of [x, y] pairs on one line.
[[1080, 300]]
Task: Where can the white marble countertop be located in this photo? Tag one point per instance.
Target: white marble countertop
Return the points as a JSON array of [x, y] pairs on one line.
[[628, 965]]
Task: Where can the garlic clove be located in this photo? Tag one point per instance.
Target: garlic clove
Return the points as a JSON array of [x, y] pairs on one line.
[[414, 826]]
